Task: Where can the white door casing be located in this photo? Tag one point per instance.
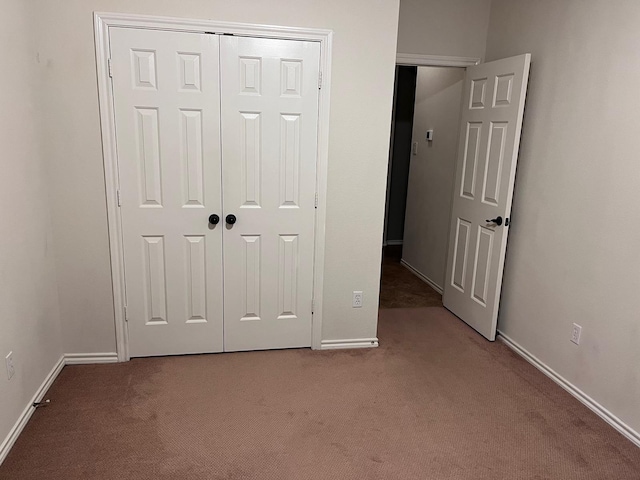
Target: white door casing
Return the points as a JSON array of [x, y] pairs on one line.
[[269, 93], [491, 123], [166, 101], [104, 24]]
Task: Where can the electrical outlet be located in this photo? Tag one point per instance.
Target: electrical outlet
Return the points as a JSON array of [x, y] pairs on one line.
[[575, 333], [357, 299], [11, 371]]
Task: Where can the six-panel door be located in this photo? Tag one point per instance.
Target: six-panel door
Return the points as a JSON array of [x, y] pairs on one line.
[[172, 175], [269, 95], [166, 96], [492, 111]]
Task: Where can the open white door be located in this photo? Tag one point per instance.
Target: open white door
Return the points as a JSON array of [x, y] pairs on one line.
[[493, 107]]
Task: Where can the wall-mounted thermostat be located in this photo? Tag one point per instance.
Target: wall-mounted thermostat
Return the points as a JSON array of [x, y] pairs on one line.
[[429, 135]]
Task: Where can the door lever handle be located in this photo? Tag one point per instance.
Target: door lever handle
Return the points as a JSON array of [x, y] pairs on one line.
[[497, 221]]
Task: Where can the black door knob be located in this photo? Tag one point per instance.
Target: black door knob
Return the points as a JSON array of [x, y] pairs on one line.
[[214, 219], [231, 219], [497, 221]]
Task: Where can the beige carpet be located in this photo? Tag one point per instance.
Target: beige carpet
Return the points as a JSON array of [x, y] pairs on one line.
[[435, 401], [399, 288]]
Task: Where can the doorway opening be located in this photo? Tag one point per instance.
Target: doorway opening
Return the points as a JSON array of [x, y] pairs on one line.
[[472, 194], [422, 163]]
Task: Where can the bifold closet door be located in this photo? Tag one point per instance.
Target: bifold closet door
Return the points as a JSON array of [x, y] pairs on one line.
[[167, 111], [269, 97]]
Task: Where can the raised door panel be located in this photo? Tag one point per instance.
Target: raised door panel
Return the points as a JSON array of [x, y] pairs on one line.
[[191, 156], [250, 156], [196, 275], [250, 293]]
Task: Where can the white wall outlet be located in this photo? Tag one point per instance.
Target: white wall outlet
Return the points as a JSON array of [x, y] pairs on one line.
[[11, 370], [575, 333], [357, 299]]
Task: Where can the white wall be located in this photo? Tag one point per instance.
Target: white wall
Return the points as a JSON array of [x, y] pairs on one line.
[[443, 27], [29, 313], [574, 245], [432, 170], [363, 68]]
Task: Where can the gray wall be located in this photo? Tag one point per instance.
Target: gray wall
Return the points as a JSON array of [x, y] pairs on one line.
[[444, 27], [431, 177], [29, 313], [573, 253]]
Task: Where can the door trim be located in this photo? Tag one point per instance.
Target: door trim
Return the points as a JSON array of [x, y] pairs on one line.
[[102, 23], [417, 60]]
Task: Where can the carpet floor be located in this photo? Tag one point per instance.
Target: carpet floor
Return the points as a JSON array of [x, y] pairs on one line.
[[399, 288], [434, 401]]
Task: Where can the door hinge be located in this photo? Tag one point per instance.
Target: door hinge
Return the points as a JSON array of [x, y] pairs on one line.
[[110, 68], [319, 80], [118, 197], [313, 306], [316, 201], [126, 314]]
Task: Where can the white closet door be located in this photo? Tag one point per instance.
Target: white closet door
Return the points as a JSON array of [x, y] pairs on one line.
[[269, 94], [166, 93], [491, 123]]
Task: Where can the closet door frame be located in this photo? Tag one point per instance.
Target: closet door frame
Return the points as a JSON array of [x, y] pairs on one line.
[[102, 23]]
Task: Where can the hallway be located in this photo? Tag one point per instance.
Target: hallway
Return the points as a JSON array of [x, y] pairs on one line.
[[399, 288]]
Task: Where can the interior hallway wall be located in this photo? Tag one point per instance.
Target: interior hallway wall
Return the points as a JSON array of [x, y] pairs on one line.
[[573, 253], [29, 312], [364, 50], [432, 171], [444, 27]]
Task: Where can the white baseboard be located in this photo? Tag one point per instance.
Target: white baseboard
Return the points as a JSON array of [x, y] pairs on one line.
[[422, 277], [624, 429], [349, 343], [15, 432], [90, 358], [66, 359]]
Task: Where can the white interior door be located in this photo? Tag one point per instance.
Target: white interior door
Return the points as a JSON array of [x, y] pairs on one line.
[[493, 108], [269, 143], [166, 95]]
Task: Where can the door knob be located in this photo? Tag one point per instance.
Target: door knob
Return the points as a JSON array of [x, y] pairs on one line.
[[214, 219], [231, 219], [497, 221]]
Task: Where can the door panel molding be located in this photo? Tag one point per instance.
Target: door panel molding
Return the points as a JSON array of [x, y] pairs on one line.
[[102, 23]]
